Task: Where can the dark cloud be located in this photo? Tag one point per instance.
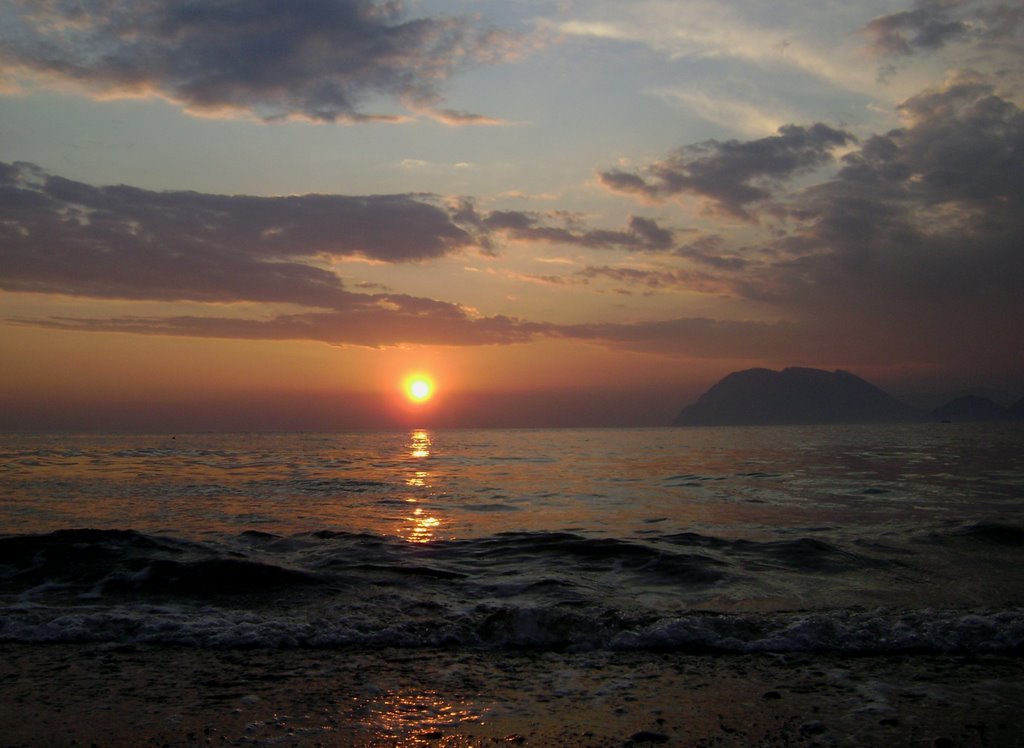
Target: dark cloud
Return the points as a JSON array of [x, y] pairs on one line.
[[65, 237], [964, 145], [445, 324], [646, 280], [910, 252], [317, 59], [947, 191], [61, 236], [918, 236], [640, 234], [930, 25], [712, 251], [658, 279], [991, 30], [632, 276], [733, 174], [369, 321]]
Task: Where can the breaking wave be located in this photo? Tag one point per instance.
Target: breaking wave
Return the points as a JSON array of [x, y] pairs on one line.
[[534, 591]]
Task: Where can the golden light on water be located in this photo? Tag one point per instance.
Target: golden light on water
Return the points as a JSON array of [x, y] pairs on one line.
[[420, 445], [418, 479], [421, 526], [416, 718]]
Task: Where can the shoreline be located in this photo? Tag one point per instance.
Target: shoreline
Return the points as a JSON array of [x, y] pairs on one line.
[[129, 695]]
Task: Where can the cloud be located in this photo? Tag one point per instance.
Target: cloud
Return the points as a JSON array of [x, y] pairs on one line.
[[65, 237], [640, 235], [370, 321], [917, 238], [750, 111], [712, 251], [991, 32], [925, 210], [932, 24], [459, 117], [733, 174], [422, 322], [656, 279], [560, 227], [62, 236], [320, 60], [696, 29], [59, 236], [808, 44], [908, 251], [375, 325]]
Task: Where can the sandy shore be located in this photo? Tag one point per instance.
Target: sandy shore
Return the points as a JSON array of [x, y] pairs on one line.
[[52, 695]]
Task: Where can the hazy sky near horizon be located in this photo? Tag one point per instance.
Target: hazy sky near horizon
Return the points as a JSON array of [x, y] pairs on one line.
[[228, 213]]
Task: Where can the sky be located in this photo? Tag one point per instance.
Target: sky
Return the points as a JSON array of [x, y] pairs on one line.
[[251, 214]]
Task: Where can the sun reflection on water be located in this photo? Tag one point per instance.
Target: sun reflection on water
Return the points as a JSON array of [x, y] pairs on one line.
[[421, 526], [415, 718], [418, 479], [420, 446]]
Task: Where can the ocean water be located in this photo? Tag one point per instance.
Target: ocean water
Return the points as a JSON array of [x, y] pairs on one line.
[[845, 539]]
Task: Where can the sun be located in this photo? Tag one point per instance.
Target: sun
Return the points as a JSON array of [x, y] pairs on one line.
[[419, 388]]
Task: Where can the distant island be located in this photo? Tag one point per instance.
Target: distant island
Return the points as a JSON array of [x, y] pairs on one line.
[[969, 408], [798, 395]]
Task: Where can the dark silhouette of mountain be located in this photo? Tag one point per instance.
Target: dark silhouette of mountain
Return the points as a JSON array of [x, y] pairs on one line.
[[929, 401], [791, 396], [1016, 410], [970, 408]]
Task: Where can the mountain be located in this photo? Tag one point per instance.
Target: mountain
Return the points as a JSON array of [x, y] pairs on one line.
[[793, 395], [929, 401], [1017, 409], [970, 408]]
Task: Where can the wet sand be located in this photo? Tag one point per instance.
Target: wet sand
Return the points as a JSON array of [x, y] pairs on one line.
[[102, 695]]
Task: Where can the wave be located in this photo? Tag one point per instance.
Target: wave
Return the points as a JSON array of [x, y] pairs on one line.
[[549, 628], [515, 590], [568, 550], [99, 562], [800, 554], [991, 533], [90, 563]]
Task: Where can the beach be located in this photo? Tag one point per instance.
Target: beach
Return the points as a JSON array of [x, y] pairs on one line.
[[127, 695]]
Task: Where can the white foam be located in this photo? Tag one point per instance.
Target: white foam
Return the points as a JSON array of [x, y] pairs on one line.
[[541, 628]]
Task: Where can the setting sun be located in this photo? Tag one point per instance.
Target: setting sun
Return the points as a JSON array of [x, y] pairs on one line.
[[419, 389]]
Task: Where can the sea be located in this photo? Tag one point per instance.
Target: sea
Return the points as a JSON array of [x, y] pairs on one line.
[[859, 539]]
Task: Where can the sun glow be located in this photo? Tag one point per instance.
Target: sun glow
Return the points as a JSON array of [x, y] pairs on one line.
[[419, 388]]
